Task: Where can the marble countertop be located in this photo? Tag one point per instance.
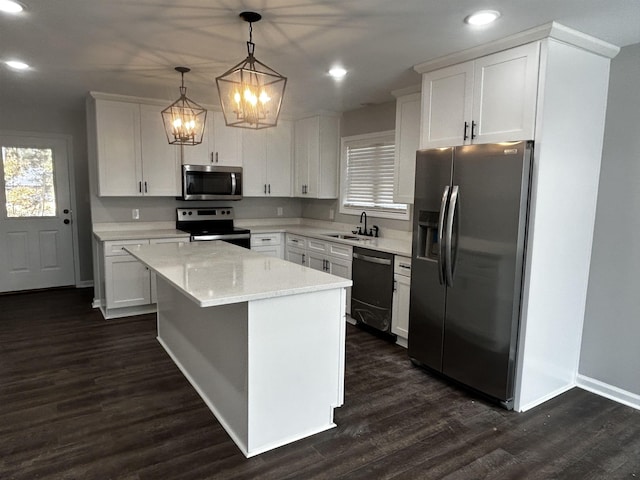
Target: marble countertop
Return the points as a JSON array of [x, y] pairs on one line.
[[384, 244], [389, 245], [114, 235], [218, 273]]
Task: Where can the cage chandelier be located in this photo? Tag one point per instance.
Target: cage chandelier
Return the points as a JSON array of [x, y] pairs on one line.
[[184, 119], [251, 93]]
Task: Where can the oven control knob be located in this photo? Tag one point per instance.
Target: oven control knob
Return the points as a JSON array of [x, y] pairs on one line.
[[190, 213], [184, 213], [228, 212], [223, 212]]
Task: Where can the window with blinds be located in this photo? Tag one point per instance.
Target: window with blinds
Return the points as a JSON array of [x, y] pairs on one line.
[[368, 174]]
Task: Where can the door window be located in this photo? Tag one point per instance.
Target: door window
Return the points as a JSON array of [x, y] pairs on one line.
[[29, 182]]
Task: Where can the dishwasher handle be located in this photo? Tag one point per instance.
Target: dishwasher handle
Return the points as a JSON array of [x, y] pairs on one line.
[[370, 259]]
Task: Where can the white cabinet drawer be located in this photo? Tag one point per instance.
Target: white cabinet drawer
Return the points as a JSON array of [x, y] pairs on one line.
[[296, 241], [402, 265], [340, 250], [265, 239], [116, 247], [316, 245]]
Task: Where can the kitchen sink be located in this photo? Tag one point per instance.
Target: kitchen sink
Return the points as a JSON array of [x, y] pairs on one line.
[[342, 236]]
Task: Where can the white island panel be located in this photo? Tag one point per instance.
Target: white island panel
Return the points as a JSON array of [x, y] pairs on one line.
[[296, 366]]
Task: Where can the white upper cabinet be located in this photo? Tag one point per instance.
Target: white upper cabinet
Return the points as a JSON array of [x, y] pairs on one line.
[[407, 142], [203, 153], [267, 161], [160, 160], [316, 157], [118, 148], [446, 105], [279, 159], [254, 148], [133, 155], [221, 145], [491, 99], [228, 142]]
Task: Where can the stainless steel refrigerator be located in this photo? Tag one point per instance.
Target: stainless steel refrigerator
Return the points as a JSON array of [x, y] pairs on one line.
[[469, 233]]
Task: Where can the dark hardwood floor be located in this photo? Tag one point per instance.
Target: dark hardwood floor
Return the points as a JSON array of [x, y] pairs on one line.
[[85, 398]]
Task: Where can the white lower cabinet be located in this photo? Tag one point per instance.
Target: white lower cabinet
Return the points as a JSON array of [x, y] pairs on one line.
[[296, 249], [129, 286], [334, 258], [400, 306], [269, 244], [127, 281]]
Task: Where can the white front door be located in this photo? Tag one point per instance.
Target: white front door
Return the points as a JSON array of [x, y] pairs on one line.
[[36, 237]]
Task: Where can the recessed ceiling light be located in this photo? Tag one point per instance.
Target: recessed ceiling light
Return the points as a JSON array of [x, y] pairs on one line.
[[17, 65], [10, 6], [337, 72], [482, 17]]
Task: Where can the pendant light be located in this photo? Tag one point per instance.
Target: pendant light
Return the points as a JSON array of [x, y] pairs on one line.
[[251, 93], [184, 119]]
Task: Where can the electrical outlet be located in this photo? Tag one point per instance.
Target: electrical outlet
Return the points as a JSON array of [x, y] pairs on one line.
[[279, 211], [332, 214], [135, 214]]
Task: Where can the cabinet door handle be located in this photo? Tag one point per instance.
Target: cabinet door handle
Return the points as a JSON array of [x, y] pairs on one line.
[[266, 239], [473, 130], [145, 187], [265, 188], [211, 155], [395, 285], [140, 187], [303, 255], [269, 189], [464, 133]]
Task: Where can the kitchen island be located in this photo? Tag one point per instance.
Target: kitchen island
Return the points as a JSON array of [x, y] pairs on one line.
[[260, 339]]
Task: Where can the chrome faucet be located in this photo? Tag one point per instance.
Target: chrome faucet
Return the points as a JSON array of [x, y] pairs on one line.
[[363, 214]]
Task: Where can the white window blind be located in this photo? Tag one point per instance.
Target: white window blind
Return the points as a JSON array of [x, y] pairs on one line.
[[369, 175]]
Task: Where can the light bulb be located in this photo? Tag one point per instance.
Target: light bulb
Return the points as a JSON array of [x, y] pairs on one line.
[[264, 97], [482, 17], [9, 6]]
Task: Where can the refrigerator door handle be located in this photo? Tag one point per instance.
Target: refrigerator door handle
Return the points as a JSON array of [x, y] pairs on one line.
[[453, 203], [443, 211]]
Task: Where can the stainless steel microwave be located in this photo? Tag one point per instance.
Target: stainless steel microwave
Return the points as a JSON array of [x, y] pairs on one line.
[[209, 182]]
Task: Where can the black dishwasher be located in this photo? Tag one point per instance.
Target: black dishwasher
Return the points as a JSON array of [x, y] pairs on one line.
[[372, 291]]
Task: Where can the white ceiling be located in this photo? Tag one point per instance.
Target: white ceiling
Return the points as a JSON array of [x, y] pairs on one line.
[[131, 46]]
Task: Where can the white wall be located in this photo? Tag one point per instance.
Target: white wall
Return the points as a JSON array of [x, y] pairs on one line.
[[611, 337]]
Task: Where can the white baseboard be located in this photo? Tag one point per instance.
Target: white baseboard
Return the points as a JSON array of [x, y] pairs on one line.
[[609, 391], [541, 400]]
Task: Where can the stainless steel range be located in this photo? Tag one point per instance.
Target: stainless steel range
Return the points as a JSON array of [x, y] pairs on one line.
[[212, 223]]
